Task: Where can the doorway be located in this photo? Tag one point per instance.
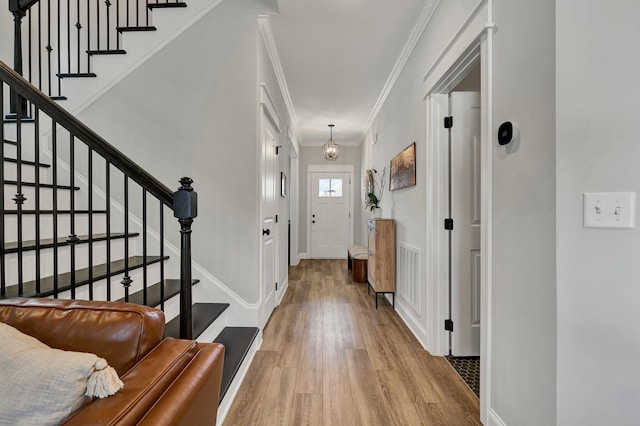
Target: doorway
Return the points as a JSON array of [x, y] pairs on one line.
[[330, 195]]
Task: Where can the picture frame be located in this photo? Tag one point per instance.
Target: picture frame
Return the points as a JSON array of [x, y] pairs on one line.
[[403, 169], [283, 184]]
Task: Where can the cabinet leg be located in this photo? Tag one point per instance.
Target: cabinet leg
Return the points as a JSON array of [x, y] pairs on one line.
[[376, 300]]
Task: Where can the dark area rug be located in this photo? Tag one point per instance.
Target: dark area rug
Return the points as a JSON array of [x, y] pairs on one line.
[[468, 368]]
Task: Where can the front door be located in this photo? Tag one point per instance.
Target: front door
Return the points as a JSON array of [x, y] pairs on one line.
[[330, 214], [465, 212]]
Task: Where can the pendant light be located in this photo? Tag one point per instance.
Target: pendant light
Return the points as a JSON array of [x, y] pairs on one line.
[[331, 149]]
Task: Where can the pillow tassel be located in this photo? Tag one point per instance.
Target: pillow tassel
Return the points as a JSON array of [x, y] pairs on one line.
[[104, 381]]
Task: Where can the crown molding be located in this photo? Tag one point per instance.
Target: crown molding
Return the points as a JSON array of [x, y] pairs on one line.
[[264, 26], [420, 25]]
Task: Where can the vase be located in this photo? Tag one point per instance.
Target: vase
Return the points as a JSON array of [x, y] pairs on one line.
[[376, 213]]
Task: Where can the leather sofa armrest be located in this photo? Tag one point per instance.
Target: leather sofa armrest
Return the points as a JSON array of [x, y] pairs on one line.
[[144, 384], [192, 399]]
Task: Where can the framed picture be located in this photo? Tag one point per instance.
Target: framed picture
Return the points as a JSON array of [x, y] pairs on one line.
[[283, 184], [403, 169]]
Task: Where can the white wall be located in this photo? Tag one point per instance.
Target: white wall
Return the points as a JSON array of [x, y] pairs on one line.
[[524, 258], [597, 151], [191, 110]]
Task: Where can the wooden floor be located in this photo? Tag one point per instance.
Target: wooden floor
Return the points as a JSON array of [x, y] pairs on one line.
[[330, 358]]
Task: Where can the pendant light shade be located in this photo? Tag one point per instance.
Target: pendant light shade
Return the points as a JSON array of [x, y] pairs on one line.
[[331, 149]]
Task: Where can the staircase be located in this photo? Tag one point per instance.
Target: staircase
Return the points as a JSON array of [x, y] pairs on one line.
[[78, 218]]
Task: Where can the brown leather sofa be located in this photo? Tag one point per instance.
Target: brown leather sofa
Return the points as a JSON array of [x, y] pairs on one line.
[[166, 381]]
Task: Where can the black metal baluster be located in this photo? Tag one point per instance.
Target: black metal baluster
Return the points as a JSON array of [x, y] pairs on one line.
[[39, 46], [3, 263], [73, 238], [98, 24], [69, 36], [108, 4], [29, 41], [108, 224], [144, 246], [19, 198], [78, 27], [126, 280], [36, 147], [137, 13], [59, 51], [88, 35], [117, 24], [161, 256], [127, 15], [49, 48], [54, 206], [90, 220]]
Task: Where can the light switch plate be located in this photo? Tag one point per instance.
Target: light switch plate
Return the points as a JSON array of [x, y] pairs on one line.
[[609, 210]]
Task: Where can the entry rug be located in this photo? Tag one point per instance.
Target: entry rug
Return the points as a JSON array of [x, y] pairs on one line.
[[468, 368]]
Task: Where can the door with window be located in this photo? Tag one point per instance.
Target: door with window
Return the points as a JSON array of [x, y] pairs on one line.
[[330, 214]]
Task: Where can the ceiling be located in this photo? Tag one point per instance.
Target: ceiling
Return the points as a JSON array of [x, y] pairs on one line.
[[336, 57]]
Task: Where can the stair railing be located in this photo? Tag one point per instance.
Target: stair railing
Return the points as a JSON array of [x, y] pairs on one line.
[[79, 155], [62, 36]]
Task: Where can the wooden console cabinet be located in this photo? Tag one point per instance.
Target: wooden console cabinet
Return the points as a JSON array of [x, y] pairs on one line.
[[381, 264]]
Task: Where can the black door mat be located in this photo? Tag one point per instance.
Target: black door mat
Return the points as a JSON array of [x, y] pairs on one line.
[[468, 368]]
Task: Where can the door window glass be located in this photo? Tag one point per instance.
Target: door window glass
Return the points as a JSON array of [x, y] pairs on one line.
[[330, 187]]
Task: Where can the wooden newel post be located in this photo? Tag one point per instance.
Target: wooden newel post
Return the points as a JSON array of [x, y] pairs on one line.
[[185, 208], [18, 14]]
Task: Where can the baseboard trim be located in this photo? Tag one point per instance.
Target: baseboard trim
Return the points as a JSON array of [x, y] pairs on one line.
[[285, 287], [412, 323], [494, 419]]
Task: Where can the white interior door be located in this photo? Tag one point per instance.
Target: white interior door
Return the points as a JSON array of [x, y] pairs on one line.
[[465, 212], [330, 214], [268, 140]]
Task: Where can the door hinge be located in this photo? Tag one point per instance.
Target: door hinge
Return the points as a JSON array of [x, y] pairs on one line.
[[277, 147], [448, 122], [448, 224], [276, 218], [276, 286], [448, 325]]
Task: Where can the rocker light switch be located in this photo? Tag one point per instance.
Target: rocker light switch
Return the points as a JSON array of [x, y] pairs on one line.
[[610, 210]]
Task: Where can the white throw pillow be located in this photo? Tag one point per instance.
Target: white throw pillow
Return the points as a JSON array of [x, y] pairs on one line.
[[40, 385]]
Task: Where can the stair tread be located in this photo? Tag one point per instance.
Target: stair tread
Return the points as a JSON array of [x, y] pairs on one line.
[[165, 5], [26, 162], [59, 211], [203, 315], [236, 341], [42, 185], [12, 247], [171, 288], [107, 52], [10, 142], [148, 28], [76, 75], [82, 277]]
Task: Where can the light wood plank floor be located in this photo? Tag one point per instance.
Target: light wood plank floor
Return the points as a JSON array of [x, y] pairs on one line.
[[328, 357]]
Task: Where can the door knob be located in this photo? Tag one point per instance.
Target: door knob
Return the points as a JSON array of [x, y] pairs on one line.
[[313, 215], [266, 231]]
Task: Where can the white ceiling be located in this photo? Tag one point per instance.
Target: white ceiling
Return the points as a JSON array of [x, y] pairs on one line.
[[336, 57]]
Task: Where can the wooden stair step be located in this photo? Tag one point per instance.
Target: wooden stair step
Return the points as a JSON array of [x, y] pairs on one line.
[[81, 275], [77, 75], [12, 247], [107, 52], [236, 341], [203, 315], [171, 288], [26, 162], [59, 98], [41, 185], [165, 5], [135, 29], [8, 142]]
